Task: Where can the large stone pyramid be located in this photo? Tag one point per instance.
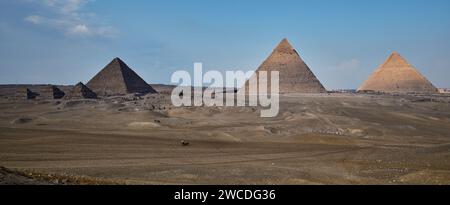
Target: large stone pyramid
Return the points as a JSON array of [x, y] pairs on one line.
[[396, 75], [118, 79], [295, 75], [81, 91]]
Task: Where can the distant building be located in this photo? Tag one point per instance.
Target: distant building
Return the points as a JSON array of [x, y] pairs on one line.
[[444, 90], [343, 91]]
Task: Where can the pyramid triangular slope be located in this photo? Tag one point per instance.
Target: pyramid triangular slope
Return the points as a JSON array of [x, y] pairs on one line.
[[81, 91], [295, 75], [118, 79], [31, 94], [396, 75]]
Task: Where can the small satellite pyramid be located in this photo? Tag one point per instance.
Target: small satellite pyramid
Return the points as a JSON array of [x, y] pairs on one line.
[[118, 79], [396, 75], [295, 75], [31, 94], [41, 92], [81, 91], [51, 92]]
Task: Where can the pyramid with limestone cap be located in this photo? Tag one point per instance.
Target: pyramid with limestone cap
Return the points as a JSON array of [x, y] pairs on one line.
[[294, 75], [118, 79], [396, 75]]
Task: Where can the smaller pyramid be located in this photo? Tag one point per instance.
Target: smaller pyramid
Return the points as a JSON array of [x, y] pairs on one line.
[[118, 79], [41, 92], [50, 92], [31, 94], [26, 93], [396, 75], [56, 92], [295, 75], [81, 91]]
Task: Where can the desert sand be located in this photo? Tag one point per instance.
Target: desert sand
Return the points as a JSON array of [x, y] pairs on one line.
[[316, 139]]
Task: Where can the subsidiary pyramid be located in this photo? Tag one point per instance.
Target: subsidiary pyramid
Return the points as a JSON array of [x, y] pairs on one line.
[[50, 92], [295, 75], [81, 91], [118, 79], [31, 94], [396, 75]]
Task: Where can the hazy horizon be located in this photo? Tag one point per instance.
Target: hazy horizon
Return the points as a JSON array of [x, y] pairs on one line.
[[343, 42]]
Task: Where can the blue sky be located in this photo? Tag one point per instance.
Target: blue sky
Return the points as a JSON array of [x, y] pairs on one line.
[[342, 41]]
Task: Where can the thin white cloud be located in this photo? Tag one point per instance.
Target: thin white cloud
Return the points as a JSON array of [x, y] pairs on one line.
[[73, 5], [80, 29], [63, 6], [70, 17], [84, 30], [34, 19], [351, 64]]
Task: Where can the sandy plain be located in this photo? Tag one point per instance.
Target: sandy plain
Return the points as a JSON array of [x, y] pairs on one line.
[[316, 139]]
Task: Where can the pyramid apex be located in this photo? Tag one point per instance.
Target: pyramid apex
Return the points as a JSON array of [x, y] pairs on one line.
[[395, 59], [395, 53], [285, 41], [117, 59], [284, 46]]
